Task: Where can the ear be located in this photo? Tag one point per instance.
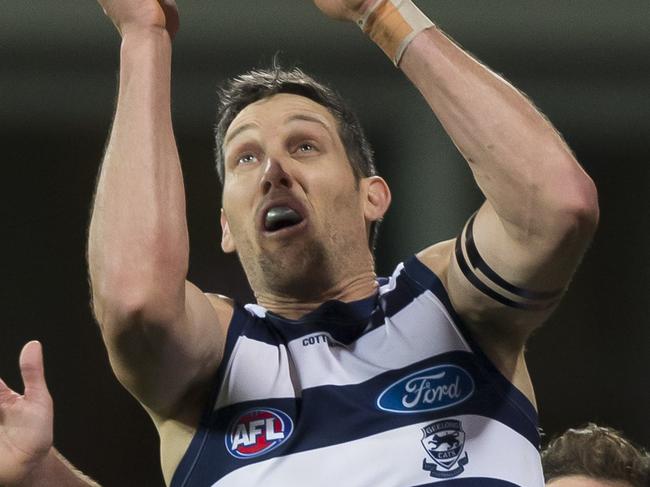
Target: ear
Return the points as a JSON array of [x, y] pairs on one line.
[[377, 198], [227, 243]]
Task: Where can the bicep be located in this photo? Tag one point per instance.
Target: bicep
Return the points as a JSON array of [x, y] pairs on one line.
[[501, 281], [163, 363]]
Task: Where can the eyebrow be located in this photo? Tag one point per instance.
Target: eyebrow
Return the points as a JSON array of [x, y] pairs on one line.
[[310, 118], [305, 118], [237, 131]]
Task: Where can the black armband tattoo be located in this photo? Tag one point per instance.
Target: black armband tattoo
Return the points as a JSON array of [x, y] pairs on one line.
[[486, 280]]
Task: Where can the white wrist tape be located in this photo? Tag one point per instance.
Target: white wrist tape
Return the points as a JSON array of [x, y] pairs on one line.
[[392, 25]]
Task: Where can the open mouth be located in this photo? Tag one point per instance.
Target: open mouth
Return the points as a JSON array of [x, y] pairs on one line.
[[280, 217]]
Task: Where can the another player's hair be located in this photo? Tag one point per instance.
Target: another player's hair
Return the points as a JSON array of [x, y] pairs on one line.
[[259, 84], [596, 452]]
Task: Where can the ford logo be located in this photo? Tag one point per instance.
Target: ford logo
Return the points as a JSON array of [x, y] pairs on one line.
[[432, 389]]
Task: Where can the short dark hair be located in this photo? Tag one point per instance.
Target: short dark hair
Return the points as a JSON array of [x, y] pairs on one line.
[[597, 452], [258, 84]]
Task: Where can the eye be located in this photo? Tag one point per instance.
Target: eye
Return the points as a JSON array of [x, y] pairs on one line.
[[246, 159], [306, 148]]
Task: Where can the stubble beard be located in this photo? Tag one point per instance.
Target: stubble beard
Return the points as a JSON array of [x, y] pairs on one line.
[[298, 270]]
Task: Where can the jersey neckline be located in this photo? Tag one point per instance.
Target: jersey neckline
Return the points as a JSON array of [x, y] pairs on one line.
[[347, 312]]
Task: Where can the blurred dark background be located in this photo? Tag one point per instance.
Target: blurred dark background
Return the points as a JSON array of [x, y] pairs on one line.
[[586, 64]]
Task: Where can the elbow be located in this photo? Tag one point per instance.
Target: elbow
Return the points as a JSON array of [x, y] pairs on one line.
[[121, 309], [131, 283], [578, 213], [585, 209], [136, 291]]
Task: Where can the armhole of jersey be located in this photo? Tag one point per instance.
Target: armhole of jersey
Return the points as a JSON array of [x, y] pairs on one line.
[[426, 278], [238, 323]]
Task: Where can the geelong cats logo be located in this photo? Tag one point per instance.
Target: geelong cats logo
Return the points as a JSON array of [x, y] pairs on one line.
[[431, 389], [444, 442], [258, 431]]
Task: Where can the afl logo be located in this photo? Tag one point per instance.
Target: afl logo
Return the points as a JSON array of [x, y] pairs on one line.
[[258, 431]]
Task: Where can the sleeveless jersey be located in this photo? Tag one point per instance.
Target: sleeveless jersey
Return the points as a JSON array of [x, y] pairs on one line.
[[386, 391]]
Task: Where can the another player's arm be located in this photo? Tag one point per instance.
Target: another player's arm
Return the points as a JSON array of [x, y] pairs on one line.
[[163, 335], [55, 471], [27, 457]]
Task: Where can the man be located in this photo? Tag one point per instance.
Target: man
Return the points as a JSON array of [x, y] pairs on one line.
[[595, 456], [333, 374]]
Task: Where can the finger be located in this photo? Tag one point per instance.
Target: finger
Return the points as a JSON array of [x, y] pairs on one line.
[[31, 369]]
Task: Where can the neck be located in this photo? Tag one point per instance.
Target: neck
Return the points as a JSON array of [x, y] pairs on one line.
[[350, 289]]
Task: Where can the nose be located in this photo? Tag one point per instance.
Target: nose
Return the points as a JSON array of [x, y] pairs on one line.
[[274, 176]]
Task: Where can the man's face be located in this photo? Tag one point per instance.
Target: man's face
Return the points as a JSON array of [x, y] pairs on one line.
[[582, 481], [291, 206]]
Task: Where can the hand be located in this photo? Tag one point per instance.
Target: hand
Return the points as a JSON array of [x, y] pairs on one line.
[[128, 15], [25, 421], [344, 9]]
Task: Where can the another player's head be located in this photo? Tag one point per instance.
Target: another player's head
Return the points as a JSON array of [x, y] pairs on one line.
[[285, 140], [595, 456]]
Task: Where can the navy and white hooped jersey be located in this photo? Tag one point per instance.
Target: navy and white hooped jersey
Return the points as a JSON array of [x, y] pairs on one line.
[[388, 391]]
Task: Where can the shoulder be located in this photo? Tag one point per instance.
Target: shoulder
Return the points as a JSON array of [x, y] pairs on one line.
[[437, 258], [223, 306]]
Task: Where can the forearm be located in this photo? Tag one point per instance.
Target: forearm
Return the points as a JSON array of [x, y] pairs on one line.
[[519, 161], [56, 471], [138, 243]]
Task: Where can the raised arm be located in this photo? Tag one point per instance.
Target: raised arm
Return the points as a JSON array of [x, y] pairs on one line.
[[513, 260], [27, 457], [515, 257], [164, 336]]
